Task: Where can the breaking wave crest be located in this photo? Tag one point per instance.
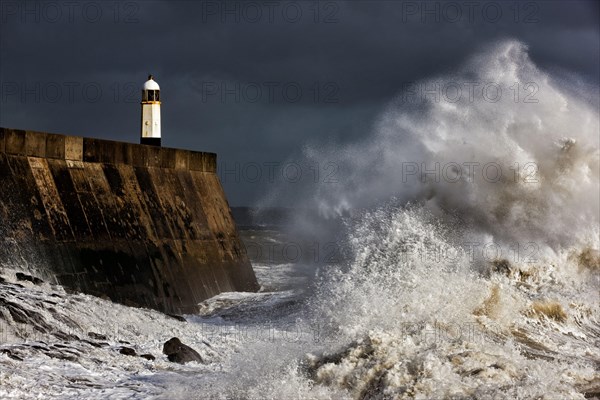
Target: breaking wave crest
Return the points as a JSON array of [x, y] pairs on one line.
[[424, 309], [498, 142]]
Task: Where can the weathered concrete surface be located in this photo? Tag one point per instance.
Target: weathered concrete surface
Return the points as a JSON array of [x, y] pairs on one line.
[[142, 225]]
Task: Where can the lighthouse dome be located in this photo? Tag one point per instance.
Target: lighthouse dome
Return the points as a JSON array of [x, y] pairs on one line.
[[151, 84]]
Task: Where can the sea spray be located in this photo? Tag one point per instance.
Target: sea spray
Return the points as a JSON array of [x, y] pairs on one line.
[[520, 165], [519, 171]]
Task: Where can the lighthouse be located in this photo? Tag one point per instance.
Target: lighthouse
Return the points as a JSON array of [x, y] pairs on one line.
[[150, 113]]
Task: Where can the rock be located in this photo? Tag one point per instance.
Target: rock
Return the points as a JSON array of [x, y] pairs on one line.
[[23, 315], [67, 337], [97, 336], [148, 357], [11, 354], [61, 356], [95, 344], [128, 351], [24, 277], [177, 317], [179, 352]]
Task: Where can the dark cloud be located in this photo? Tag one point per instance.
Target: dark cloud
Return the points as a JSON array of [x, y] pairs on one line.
[[231, 84]]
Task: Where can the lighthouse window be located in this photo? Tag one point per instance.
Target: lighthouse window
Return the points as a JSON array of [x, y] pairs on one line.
[[151, 95]]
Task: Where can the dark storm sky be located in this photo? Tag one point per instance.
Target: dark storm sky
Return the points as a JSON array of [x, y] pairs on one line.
[[255, 81]]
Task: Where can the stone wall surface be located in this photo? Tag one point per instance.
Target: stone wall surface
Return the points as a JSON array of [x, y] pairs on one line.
[[142, 225]]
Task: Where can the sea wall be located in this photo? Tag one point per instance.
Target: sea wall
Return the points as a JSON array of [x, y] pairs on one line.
[[142, 225]]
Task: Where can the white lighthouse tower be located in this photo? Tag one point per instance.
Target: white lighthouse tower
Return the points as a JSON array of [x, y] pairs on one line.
[[150, 113]]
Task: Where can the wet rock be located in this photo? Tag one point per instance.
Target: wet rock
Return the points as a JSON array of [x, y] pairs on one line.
[[179, 352], [149, 357], [97, 336], [67, 321], [67, 337], [22, 315], [24, 277], [94, 344], [11, 354], [38, 347], [177, 317], [128, 351], [62, 355], [67, 349], [475, 371]]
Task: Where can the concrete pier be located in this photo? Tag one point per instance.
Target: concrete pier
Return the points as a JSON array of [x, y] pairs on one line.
[[142, 225]]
